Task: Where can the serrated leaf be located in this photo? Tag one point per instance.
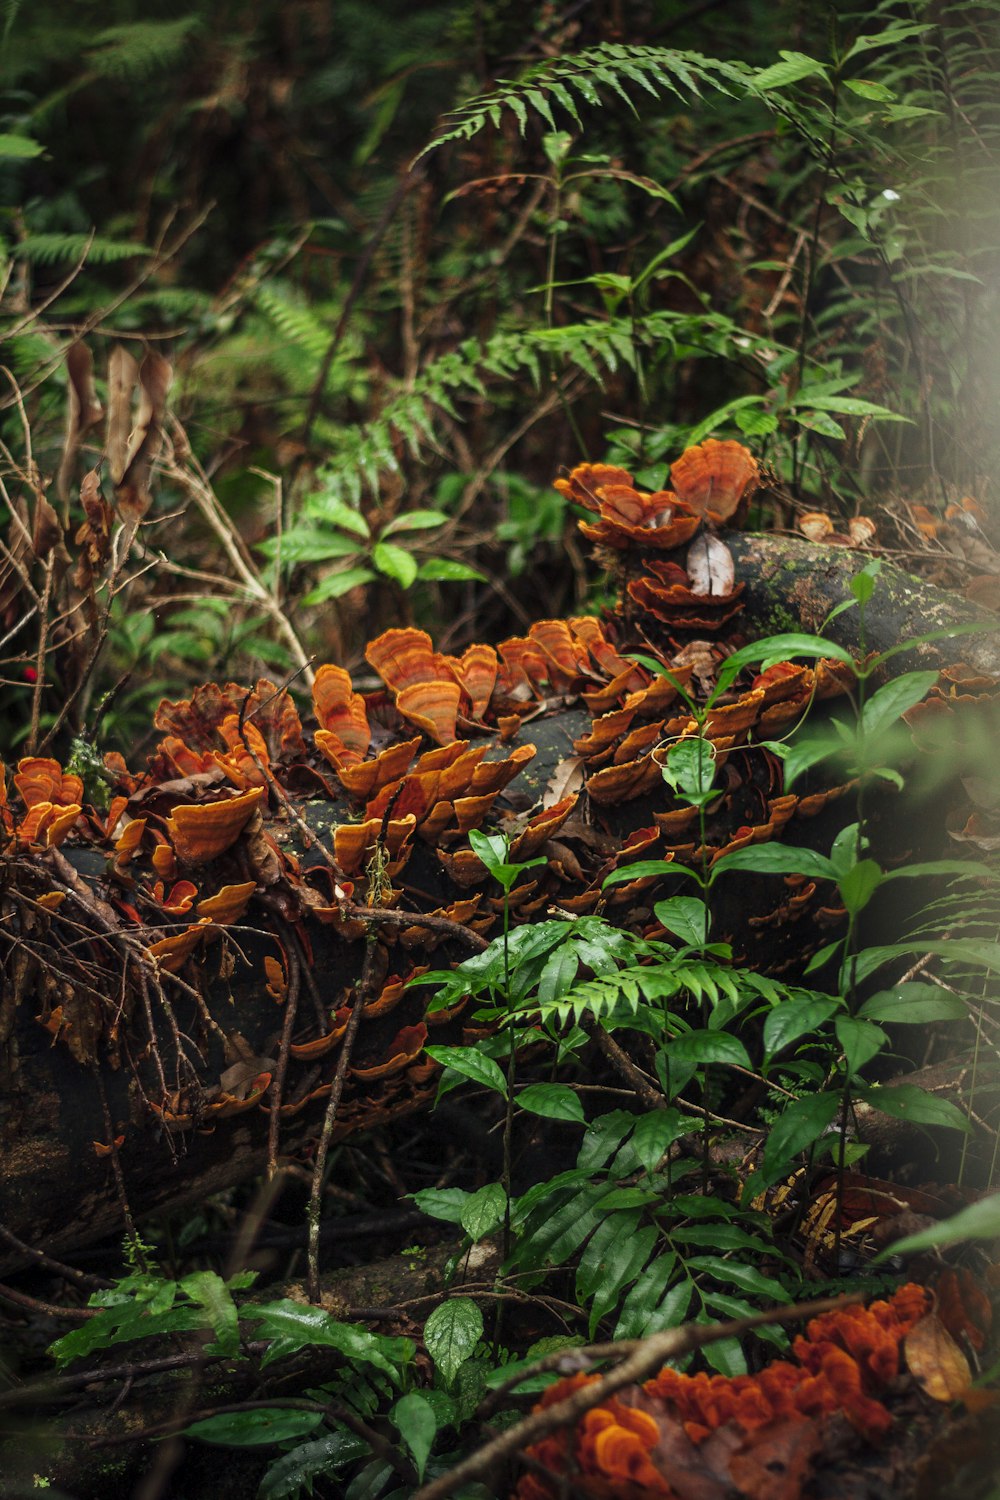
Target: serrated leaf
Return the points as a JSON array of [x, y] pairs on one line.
[[483, 1211], [451, 1333], [210, 1292], [794, 67]]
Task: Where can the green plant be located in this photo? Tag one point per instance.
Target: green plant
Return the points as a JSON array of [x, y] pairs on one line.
[[622, 1216]]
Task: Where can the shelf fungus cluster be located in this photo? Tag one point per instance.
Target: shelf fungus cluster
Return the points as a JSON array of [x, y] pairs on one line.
[[254, 845], [706, 1437]]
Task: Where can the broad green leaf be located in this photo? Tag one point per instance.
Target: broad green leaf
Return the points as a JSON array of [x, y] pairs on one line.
[[308, 544], [417, 1424], [852, 406], [962, 950], [794, 1018], [718, 1236], [709, 1047], [776, 859], [471, 1064], [415, 520], [859, 885], [738, 1273], [336, 585], [738, 1307], [554, 1237], [913, 1004], [819, 421], [290, 1326], [795, 1129], [442, 1203], [690, 768], [607, 1239], [603, 1137], [980, 1221], [483, 1211], [686, 917], [622, 1264], [395, 562], [451, 1333], [252, 1429], [860, 1040], [292, 1474], [130, 1319], [865, 89], [639, 1307], [782, 648], [553, 1101], [644, 867], [726, 1357], [655, 1133], [560, 970], [886, 705], [905, 1101], [446, 570], [334, 512], [19, 147]]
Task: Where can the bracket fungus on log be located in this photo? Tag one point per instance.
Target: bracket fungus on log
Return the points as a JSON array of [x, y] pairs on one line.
[[154, 945]]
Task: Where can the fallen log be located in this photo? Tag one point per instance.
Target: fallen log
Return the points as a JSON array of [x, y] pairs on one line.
[[183, 965]]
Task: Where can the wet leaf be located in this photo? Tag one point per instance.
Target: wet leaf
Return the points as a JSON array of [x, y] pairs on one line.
[[935, 1361]]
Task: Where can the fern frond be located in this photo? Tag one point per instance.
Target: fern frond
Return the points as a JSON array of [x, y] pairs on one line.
[[50, 249], [141, 48], [585, 79], [360, 454]]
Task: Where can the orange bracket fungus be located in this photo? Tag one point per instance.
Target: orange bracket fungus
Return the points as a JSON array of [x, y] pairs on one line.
[[217, 908]]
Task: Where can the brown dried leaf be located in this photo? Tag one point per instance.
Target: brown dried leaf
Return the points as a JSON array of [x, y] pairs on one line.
[[565, 779], [46, 532], [132, 492], [84, 412], [935, 1361], [123, 371]]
